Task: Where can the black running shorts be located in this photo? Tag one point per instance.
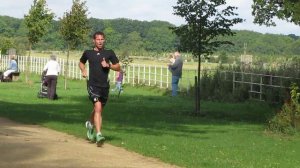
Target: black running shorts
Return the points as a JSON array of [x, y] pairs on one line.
[[98, 94]]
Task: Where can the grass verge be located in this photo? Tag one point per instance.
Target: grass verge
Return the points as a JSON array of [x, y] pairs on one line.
[[147, 121]]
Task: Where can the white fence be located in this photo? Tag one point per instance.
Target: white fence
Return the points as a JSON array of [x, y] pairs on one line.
[[136, 74], [159, 76]]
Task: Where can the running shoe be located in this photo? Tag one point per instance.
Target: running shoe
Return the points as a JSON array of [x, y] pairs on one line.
[[90, 131], [99, 140]]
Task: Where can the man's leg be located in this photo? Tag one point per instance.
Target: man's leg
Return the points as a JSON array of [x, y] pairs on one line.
[[98, 116], [98, 123], [175, 80], [7, 73], [53, 87]]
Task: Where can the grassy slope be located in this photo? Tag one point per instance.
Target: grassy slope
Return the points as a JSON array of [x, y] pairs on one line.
[[147, 121]]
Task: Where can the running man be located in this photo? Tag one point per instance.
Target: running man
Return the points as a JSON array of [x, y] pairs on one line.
[[100, 60]]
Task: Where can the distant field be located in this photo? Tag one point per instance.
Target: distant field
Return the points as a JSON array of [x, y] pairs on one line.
[[75, 55]]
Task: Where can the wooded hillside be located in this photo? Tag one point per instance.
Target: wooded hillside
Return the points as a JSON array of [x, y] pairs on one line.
[[143, 37]]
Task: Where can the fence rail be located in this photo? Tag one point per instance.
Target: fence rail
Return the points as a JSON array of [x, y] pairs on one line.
[[136, 74], [153, 75]]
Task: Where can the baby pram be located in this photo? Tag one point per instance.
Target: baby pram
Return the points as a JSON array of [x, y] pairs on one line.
[[43, 88]]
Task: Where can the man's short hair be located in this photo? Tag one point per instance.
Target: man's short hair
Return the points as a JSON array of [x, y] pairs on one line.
[[53, 57], [177, 54], [98, 33], [12, 57]]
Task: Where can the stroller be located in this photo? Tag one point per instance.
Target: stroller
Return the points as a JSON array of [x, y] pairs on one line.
[[43, 93]]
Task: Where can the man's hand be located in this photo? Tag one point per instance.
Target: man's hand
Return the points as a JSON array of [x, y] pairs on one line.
[[104, 63], [84, 74]]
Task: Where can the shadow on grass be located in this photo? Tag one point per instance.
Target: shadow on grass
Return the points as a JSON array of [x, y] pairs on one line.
[[140, 114]]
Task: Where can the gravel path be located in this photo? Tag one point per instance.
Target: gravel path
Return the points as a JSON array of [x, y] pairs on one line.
[[33, 146]]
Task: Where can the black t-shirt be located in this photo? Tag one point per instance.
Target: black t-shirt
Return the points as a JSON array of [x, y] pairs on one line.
[[98, 76]]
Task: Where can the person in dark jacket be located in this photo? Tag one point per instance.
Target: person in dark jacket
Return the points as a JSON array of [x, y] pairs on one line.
[[176, 70]]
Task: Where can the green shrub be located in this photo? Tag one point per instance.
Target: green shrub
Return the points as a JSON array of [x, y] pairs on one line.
[[287, 120]]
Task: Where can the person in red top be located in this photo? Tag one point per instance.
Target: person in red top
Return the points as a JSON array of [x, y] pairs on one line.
[[101, 61]]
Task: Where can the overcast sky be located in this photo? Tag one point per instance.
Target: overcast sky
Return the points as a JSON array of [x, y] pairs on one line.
[[144, 10]]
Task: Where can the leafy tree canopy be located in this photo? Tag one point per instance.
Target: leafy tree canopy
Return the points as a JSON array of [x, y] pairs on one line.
[[206, 20], [38, 20], [74, 24], [265, 10]]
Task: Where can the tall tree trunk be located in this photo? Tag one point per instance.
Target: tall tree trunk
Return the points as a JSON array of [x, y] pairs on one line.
[[198, 84], [67, 67]]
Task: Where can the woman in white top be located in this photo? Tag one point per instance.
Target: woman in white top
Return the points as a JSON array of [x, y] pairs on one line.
[[51, 70]]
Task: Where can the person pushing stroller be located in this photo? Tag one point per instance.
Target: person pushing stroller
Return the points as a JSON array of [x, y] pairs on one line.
[[52, 70]]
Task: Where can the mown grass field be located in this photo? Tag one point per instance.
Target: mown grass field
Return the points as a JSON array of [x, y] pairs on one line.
[[148, 121]]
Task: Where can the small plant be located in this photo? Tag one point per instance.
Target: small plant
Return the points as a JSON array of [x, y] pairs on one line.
[[287, 121]]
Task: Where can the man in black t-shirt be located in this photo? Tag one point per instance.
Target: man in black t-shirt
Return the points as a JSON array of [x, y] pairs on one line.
[[100, 62]]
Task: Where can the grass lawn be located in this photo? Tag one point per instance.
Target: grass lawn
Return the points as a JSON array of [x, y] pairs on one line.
[[148, 121]]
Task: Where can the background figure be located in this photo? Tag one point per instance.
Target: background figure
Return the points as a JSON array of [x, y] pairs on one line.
[[52, 70], [119, 81], [176, 70], [172, 58], [13, 67]]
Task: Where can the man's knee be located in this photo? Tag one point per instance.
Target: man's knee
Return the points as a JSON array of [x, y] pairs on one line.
[[98, 106]]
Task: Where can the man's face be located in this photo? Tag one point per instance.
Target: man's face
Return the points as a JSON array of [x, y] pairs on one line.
[[177, 54], [99, 41]]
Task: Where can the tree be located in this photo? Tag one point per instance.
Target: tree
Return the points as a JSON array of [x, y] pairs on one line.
[[206, 20], [37, 21], [264, 11], [74, 28], [115, 37]]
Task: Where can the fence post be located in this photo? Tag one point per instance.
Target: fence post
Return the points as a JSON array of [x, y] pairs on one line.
[[144, 80], [133, 75], [260, 94], [155, 75], [139, 71], [167, 79], [128, 75], [161, 74], [73, 69], [233, 81], [251, 86], [149, 76]]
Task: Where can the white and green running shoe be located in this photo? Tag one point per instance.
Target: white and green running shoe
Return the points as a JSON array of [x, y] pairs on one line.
[[90, 131], [99, 140]]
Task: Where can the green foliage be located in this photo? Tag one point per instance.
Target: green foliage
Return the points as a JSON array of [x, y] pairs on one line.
[[9, 26], [223, 57], [113, 38], [38, 20], [74, 28], [125, 60], [288, 119], [206, 20], [133, 36], [133, 44], [6, 44], [265, 11], [74, 24]]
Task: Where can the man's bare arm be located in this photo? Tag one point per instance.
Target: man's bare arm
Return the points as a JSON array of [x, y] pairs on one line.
[[83, 70], [115, 67]]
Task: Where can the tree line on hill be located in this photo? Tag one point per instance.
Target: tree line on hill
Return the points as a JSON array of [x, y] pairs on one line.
[[143, 38]]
